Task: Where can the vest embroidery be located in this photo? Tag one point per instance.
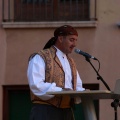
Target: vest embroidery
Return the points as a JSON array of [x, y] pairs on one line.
[[54, 73]]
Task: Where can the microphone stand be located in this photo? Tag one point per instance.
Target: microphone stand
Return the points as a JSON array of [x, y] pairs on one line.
[[99, 77], [115, 103]]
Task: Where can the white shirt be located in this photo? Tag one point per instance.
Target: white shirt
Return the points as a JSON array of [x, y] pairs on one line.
[[36, 76]]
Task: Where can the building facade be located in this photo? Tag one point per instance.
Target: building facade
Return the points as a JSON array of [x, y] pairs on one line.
[[26, 25]]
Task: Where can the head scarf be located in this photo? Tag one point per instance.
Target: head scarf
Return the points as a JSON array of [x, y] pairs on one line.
[[61, 31]]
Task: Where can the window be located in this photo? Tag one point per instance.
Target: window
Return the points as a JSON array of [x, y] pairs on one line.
[[49, 10], [17, 104]]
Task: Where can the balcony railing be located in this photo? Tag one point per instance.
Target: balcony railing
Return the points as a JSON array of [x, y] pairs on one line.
[[48, 10]]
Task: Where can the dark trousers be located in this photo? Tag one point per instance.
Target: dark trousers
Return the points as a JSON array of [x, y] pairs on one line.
[[48, 112]]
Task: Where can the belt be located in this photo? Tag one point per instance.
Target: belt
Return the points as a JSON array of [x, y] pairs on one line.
[[40, 102]]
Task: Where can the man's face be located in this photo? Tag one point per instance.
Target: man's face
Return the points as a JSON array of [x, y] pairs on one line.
[[68, 43]]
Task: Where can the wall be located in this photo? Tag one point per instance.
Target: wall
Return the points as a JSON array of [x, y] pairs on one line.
[[2, 58]]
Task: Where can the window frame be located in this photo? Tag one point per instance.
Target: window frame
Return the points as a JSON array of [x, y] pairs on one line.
[[12, 24]]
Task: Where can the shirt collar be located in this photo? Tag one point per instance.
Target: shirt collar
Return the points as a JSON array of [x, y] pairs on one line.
[[59, 52]]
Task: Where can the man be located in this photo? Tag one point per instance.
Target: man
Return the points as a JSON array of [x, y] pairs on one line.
[[53, 70]]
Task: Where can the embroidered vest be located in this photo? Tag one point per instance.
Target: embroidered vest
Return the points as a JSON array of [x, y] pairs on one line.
[[54, 73]]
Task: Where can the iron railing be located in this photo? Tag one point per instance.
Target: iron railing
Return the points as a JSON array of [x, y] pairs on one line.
[[48, 10]]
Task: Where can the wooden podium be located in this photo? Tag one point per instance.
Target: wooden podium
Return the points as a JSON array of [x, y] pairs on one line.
[[87, 98]]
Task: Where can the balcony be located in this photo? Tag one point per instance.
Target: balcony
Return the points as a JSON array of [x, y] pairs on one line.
[[48, 13]]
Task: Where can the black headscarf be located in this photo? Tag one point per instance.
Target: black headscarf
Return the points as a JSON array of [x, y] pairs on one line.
[[61, 31], [50, 43]]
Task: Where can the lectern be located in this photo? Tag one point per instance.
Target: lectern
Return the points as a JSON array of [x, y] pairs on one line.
[[87, 98]]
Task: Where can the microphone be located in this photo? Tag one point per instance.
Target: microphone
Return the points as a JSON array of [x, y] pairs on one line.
[[84, 54]]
